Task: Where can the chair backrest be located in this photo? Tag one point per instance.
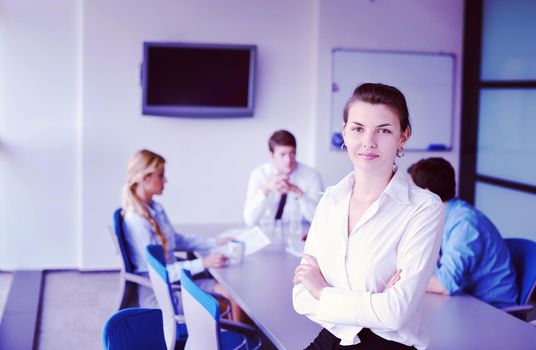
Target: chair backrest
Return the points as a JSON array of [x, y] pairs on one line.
[[134, 329], [523, 252], [202, 315], [164, 294], [121, 241]]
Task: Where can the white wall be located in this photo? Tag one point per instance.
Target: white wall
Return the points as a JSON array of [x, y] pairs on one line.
[[70, 107], [410, 25], [209, 161], [38, 142]]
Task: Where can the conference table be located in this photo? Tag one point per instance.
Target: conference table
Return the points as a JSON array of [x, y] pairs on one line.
[[262, 286]]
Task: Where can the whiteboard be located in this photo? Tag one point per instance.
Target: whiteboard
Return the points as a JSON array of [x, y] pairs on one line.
[[425, 79]]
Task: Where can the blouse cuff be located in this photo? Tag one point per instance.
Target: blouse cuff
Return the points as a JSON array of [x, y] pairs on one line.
[[174, 270], [339, 305], [195, 266]]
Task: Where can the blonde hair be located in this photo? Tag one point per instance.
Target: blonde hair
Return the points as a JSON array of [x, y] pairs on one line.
[[141, 164]]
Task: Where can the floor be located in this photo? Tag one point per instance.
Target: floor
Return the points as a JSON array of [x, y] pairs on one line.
[[75, 307]]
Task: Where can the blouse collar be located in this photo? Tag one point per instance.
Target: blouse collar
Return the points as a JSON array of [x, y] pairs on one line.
[[398, 188]]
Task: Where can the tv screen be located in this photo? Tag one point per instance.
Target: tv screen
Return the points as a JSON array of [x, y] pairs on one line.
[[198, 80]]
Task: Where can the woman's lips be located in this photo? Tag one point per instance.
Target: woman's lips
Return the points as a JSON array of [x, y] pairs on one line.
[[368, 156]]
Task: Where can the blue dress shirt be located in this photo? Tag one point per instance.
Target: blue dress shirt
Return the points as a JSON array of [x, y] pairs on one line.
[[474, 259]]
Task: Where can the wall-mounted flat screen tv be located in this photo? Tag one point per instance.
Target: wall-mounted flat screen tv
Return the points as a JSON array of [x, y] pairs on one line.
[[198, 80]]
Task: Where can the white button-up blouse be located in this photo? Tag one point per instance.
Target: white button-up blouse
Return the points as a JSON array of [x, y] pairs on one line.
[[400, 230]]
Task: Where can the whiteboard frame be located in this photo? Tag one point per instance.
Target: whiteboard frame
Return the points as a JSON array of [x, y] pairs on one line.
[[336, 116]]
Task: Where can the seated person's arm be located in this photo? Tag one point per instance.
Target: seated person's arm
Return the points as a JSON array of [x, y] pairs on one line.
[[195, 266], [185, 242], [460, 250], [256, 199], [188, 243]]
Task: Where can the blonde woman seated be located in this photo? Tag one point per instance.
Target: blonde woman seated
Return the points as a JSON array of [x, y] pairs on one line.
[[146, 222]]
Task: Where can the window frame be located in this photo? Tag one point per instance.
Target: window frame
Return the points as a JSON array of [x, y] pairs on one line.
[[472, 84]]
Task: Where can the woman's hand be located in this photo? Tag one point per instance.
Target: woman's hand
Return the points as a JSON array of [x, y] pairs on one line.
[[310, 276], [392, 281], [214, 260]]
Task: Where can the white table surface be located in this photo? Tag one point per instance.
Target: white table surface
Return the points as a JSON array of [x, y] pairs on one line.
[[262, 285]]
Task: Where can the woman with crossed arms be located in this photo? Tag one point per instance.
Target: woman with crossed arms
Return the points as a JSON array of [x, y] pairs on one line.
[[374, 239]]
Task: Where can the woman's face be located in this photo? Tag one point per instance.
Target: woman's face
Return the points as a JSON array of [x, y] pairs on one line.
[[154, 182], [373, 135]]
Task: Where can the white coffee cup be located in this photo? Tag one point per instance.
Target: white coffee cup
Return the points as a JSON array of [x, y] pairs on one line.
[[236, 251]]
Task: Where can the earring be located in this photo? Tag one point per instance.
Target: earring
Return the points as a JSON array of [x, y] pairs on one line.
[[343, 146], [400, 152]]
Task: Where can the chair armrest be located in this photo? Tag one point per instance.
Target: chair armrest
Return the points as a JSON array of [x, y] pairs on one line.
[[237, 326], [142, 280], [517, 308]]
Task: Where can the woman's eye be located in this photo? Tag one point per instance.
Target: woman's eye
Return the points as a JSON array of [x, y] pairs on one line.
[[358, 129], [384, 131]]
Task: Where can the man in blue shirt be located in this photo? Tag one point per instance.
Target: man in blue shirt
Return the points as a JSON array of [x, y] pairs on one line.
[[474, 259]]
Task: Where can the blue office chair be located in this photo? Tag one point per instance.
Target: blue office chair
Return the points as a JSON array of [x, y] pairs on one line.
[[134, 329], [206, 330], [175, 331], [128, 290], [523, 252], [129, 280]]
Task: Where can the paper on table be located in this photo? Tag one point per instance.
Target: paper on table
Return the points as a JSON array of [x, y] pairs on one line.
[[254, 238]]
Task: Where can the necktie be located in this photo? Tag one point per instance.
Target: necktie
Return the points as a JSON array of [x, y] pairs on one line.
[[282, 202]]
